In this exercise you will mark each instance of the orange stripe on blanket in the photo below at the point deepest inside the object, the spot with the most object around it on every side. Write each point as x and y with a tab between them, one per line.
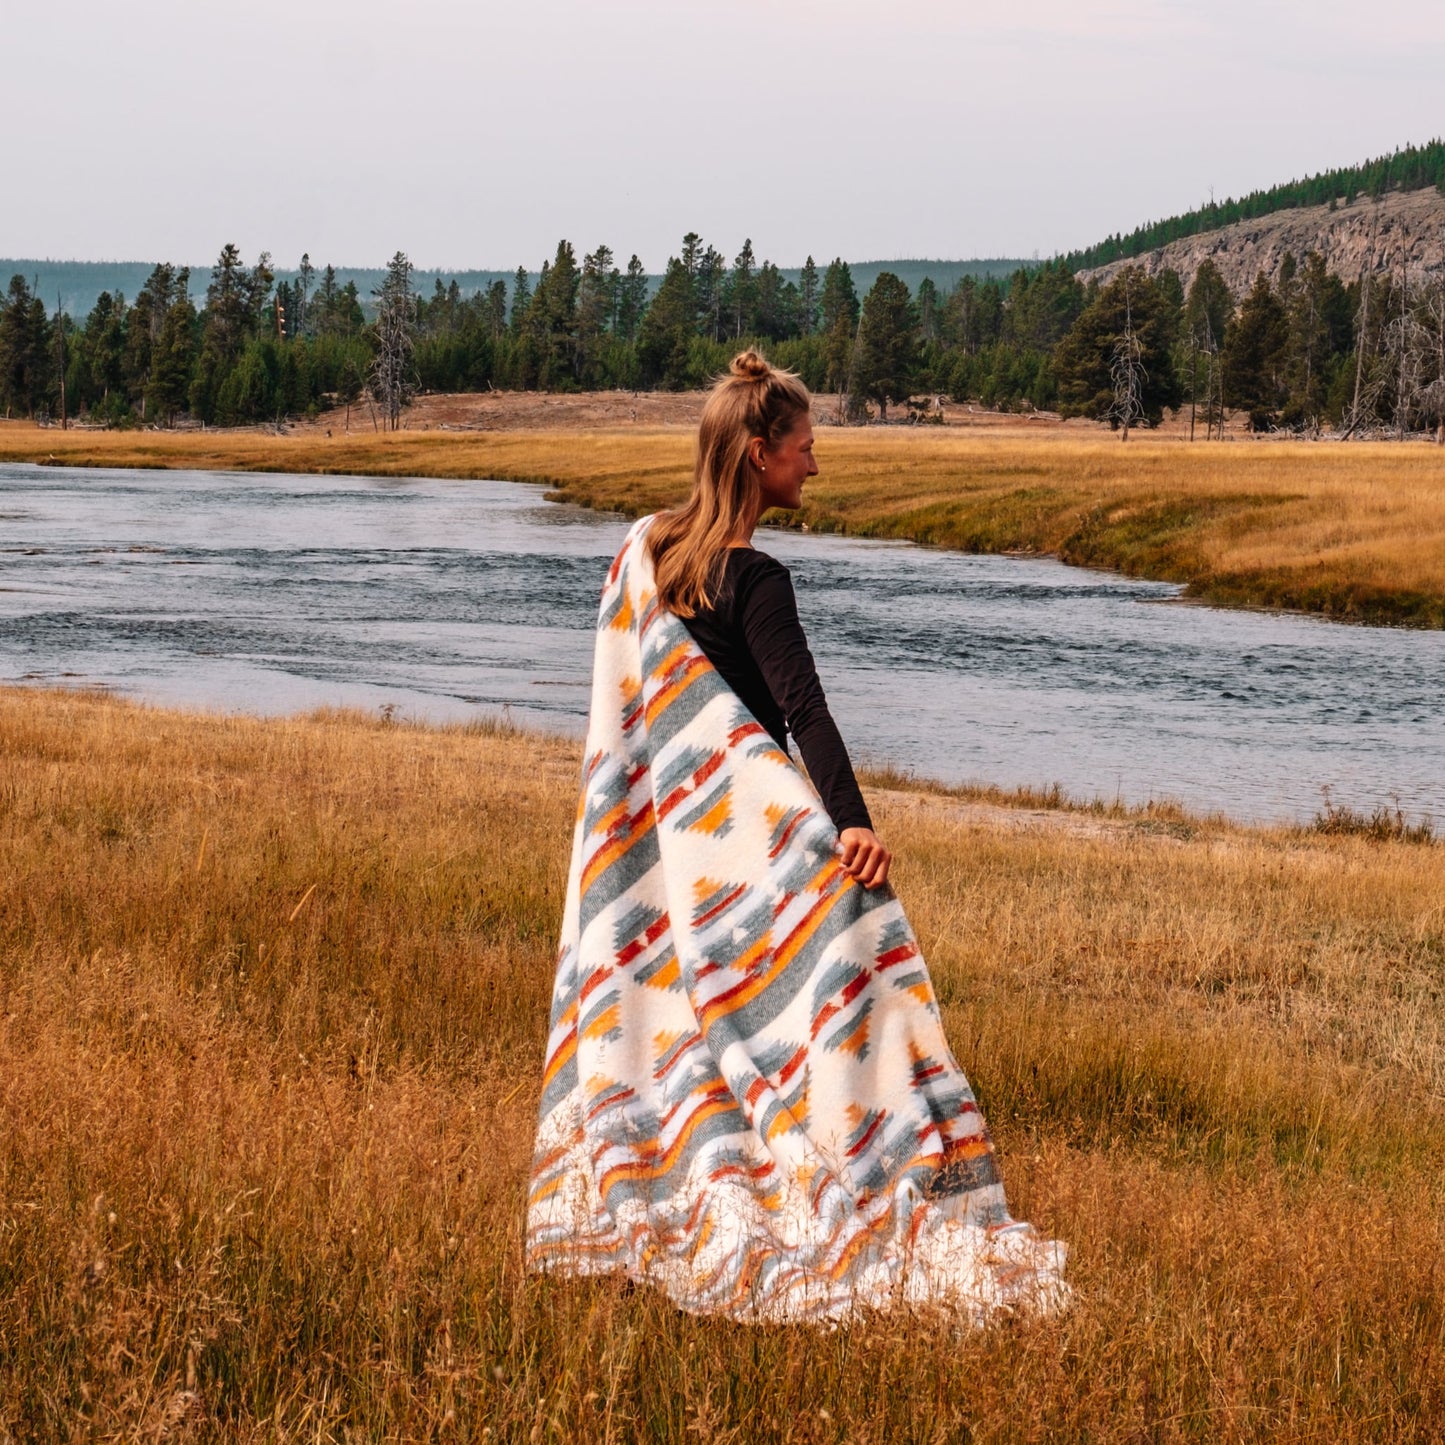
610	852
565	1050
642	1169
747	990
661	700
608	1019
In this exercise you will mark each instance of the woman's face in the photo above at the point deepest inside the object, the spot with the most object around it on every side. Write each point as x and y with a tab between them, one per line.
782	469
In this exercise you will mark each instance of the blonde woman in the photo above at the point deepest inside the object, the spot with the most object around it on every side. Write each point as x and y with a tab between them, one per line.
737	602
748	1101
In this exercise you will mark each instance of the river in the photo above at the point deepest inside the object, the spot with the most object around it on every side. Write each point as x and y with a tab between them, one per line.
445	599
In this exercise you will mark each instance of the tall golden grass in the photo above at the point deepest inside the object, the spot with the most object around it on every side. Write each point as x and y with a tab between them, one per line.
1346	531
272	1005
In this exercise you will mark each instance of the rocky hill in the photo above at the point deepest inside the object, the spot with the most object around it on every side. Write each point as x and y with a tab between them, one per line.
1402	227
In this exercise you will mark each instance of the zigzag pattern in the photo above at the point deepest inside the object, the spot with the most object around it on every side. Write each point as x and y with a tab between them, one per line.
748	1100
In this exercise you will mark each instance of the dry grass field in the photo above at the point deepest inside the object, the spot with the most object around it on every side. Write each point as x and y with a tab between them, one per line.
1348	531
272	1004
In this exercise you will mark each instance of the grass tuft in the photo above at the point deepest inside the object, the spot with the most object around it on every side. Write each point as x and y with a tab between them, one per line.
1383	823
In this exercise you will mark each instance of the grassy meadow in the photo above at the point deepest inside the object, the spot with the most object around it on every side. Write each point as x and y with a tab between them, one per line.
272	1005
1347	531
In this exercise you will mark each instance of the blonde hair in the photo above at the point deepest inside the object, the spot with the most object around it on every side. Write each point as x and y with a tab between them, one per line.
687	544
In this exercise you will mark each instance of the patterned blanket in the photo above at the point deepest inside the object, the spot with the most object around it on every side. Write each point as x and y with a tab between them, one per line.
748	1100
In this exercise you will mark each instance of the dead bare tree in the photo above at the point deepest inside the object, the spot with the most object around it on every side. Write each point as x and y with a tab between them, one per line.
1399	341
1127	374
1371	371
1432	320
1410	352
391	372
852	406
1409	344
1208	343
60	358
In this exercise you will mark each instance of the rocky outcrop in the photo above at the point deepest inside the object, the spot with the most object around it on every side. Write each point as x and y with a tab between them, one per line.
1378	235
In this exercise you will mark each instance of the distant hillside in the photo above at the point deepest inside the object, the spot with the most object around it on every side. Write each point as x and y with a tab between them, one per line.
78	283
1412	169
1404	228
944	274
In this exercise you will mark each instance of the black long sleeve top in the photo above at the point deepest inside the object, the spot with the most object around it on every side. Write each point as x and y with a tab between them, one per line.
752	635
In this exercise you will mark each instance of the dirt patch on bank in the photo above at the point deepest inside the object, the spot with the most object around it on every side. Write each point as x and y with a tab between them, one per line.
483	411
542	411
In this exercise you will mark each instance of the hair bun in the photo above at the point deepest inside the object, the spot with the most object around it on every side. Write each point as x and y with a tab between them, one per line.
749	366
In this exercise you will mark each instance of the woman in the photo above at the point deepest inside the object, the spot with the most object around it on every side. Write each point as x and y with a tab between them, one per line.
748	1100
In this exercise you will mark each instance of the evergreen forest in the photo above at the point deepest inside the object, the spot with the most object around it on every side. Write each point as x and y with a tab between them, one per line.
1300	352
1415	168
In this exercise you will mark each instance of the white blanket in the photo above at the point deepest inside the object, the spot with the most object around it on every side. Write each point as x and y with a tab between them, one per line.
748	1098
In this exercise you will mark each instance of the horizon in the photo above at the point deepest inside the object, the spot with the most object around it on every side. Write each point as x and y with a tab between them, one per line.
280	267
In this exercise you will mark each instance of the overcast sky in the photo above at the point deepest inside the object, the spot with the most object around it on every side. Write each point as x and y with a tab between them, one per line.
475	134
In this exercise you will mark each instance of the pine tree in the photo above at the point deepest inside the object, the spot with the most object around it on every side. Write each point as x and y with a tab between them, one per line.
928	318
808	298
496	309
1171	288
1042	306
692	254
521	300
1255	356
596	307
1085	360
172	360
665	334
326	308
349	386
1318	319
1210	307
553	320
961	317
887	361
532	336
742	292
227	299
631	301
136	365
350	317
25	341
771	312
235	300
838	321
102	349
709	288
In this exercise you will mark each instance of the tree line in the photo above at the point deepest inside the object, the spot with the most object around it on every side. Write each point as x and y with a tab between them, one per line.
1298	354
1415	168
1304	351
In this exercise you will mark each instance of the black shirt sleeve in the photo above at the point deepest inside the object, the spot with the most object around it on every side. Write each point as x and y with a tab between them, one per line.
768	612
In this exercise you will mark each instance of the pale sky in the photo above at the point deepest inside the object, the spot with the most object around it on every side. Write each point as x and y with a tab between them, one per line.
474	134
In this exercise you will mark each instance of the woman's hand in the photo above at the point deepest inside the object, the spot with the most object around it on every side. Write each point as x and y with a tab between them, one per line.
864	857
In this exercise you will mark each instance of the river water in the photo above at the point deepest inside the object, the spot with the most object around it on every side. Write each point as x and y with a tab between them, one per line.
445	599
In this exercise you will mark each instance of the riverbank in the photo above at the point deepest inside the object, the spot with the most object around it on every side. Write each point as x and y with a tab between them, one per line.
272	1006
1351	532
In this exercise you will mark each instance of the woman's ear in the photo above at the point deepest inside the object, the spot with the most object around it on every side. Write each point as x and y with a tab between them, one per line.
756	450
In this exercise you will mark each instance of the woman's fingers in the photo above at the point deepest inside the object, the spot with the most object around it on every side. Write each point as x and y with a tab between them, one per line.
874	869
864	857
879	874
